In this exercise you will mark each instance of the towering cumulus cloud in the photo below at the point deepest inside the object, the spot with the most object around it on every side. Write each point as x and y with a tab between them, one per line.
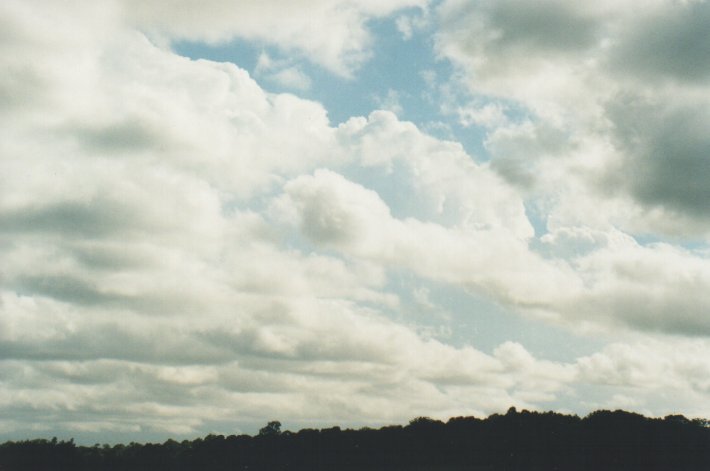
183	251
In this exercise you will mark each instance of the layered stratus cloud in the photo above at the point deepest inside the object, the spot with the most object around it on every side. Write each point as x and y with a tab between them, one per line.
184	252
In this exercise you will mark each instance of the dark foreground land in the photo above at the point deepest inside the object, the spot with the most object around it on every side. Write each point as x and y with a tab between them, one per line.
525	441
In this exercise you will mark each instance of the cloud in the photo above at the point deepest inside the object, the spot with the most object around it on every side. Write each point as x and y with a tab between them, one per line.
390	102
146	290
181	385
648	371
408	24
183	250
601	279
666	44
331	34
281	72
666	152
336	213
656	288
534	52
614	102
331	210
441	182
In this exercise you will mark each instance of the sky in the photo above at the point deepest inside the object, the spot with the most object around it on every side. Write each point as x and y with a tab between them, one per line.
216	213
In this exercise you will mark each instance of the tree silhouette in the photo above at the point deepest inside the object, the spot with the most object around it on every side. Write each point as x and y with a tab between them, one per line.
515	441
272	428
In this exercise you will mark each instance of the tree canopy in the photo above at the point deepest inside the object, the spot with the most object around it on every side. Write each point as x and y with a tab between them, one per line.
530	441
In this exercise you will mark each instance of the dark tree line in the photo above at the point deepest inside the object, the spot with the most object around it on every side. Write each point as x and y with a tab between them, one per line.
526	441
